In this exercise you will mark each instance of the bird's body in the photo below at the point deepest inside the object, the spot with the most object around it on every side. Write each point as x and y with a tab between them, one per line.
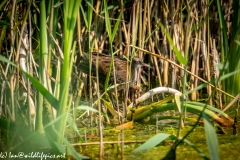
120	68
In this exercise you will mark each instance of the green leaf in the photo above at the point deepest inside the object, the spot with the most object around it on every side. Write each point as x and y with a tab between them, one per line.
70	149
3	23
58	4
116	27
208	107
46	94
84	16
178	54
201	86
178	103
72	123
223	28
196	149
27	135
4	59
89	14
152	142
211	137
51	99
107	21
225	76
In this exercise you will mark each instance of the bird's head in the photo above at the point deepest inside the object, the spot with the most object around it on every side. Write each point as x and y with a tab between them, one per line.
137	63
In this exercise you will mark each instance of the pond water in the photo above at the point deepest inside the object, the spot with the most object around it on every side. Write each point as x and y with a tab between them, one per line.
229	145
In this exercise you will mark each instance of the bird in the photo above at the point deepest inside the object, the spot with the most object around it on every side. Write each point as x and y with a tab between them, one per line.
120	68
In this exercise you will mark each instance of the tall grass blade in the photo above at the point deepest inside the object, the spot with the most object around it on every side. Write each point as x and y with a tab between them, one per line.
211	137
152	142
109	31
27	135
43	56
51	99
4	59
115	29
223	27
107	21
70	9
84	16
178	54
196	149
45	93
71	151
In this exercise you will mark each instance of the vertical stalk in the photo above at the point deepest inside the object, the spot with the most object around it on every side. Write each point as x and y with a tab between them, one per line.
186	50
70	9
90	56
42	56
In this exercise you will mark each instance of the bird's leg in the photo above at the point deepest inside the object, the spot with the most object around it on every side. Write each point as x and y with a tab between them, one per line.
138	81
113	101
113	97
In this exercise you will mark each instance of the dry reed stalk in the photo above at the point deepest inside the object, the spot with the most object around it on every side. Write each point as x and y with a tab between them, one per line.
194	63
151	44
205	48
180	67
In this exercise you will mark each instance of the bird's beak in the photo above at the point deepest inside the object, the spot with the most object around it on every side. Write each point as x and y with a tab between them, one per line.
146	65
